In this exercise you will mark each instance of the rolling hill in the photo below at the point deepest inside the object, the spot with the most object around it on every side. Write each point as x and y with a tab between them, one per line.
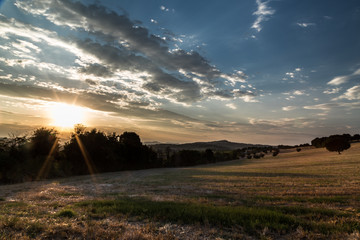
222	145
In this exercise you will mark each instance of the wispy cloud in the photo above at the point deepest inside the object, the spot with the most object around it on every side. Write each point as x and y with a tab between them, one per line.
289	108
329	106
231	106
343	79
263	12
332	91
283	123
351	94
305	25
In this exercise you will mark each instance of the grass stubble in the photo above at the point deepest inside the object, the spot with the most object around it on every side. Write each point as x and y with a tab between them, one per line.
312	194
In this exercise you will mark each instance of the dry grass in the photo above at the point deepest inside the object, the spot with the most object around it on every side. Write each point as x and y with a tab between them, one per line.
313	185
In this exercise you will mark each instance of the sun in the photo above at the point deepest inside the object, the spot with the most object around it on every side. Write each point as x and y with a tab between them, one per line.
65	116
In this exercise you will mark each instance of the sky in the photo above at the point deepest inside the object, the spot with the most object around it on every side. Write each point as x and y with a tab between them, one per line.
252	71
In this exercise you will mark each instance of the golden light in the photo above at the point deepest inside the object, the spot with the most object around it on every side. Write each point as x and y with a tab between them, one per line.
65	116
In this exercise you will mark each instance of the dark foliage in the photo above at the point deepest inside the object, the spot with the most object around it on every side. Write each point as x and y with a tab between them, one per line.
276	152
337	143
94	151
33	158
319	142
356	137
40	155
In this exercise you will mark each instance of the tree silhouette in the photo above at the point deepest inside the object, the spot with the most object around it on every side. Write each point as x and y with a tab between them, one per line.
130	139
43	142
337	143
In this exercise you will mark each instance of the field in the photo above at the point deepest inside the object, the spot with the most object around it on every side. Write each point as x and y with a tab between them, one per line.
312	194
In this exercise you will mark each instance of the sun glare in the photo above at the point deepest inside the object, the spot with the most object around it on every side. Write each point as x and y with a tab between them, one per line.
65	116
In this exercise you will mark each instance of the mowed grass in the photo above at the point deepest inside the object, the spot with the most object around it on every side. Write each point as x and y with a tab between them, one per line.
311	194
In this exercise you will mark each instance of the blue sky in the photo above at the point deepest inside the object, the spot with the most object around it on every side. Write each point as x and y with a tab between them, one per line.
272	72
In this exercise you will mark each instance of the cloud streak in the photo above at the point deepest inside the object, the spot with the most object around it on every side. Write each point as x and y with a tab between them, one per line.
262	14
343	79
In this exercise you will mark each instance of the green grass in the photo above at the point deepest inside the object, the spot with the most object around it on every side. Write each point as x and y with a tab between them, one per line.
68	213
33	229
15	205
251	219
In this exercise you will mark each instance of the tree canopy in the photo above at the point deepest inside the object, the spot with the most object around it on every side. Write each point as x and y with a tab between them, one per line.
337	143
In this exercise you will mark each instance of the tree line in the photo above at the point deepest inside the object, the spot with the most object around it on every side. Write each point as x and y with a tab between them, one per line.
41	156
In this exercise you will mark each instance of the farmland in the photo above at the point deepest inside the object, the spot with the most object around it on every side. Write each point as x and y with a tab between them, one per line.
313	194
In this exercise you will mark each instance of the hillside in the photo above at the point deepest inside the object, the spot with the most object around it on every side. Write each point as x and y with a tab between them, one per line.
222	145
312	194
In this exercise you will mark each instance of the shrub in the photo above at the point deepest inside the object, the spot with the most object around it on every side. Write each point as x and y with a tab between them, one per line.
275	153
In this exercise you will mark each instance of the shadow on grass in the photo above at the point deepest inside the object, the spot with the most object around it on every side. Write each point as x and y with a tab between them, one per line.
255	174
250	219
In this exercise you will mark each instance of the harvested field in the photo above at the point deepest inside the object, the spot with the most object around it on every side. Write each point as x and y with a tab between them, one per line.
312	194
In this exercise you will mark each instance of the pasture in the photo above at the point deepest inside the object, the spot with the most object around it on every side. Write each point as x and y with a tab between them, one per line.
312	194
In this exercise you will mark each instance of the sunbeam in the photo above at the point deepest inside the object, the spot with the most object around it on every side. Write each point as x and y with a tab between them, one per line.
45	167
86	156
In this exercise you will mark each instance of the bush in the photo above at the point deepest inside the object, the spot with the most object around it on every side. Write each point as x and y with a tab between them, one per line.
275	153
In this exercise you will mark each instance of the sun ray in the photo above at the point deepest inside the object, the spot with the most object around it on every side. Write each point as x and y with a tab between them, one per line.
46	164
87	158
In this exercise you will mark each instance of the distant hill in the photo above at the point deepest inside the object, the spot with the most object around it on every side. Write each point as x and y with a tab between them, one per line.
222	145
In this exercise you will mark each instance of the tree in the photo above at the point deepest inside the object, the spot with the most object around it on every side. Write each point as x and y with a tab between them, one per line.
209	156
44	142
356	137
319	142
337	143
130	139
44	149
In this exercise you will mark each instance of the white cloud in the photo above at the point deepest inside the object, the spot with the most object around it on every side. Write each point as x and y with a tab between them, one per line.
343	79
289	108
322	106
163	8
249	99
338	80
231	105
357	72
296	73
329	106
237	77
283	123
262	12
351	94
290	74
298	93
305	25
